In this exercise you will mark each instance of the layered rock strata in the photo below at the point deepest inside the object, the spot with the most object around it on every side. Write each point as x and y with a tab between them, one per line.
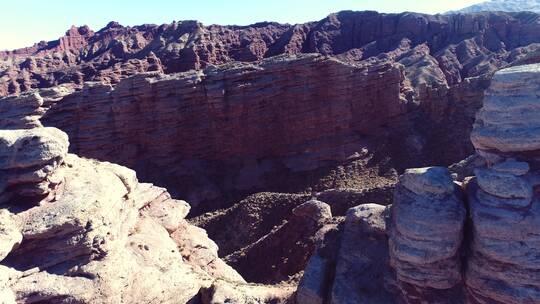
504	203
32	171
499	248
187	131
467	237
98	235
464	45
426	232
445	63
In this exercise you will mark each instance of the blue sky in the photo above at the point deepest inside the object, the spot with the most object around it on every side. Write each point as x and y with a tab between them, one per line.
24	22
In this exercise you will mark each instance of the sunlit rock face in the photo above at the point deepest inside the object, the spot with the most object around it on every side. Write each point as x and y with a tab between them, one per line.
504	202
508	123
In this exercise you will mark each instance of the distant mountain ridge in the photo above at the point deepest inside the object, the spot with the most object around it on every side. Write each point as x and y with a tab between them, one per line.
501	5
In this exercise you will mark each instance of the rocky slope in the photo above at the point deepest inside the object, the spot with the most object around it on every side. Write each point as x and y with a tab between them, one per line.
501	6
459	46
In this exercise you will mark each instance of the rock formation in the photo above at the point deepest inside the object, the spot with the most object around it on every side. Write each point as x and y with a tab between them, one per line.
445	63
471	240
425	236
217	114
503	198
32	172
502	6
350	264
501	263
361	263
78	230
404	87
115	51
205	152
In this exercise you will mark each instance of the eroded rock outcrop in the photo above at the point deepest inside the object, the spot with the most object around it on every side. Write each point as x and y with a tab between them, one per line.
362	261
416	82
351	262
467	237
499	249
290	245
445	63
187	131
97	235
29	160
504	203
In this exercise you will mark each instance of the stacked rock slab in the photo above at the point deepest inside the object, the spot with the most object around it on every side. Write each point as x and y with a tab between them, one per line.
425	235
504	265
28	162
104	238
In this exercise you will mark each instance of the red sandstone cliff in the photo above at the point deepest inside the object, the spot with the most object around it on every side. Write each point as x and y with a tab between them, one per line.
404	85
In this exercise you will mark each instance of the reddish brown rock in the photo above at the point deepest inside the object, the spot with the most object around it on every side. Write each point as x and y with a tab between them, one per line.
431	69
84	55
188	131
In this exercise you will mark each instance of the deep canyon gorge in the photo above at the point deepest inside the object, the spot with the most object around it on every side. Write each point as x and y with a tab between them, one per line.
274	163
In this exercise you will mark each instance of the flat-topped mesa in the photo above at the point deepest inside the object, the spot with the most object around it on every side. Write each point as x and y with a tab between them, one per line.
504	203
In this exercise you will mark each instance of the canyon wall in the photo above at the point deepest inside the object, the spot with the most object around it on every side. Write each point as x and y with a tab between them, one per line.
206	134
400	86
